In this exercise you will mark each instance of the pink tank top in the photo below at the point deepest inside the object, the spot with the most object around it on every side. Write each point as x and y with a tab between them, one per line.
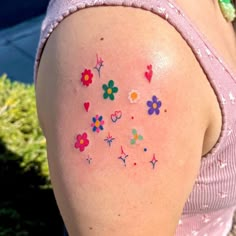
211	204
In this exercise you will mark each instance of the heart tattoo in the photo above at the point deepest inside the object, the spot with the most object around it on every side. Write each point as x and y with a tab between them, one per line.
86	106
148	74
116	116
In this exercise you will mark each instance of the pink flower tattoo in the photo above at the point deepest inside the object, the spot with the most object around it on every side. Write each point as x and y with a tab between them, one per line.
86	77
81	141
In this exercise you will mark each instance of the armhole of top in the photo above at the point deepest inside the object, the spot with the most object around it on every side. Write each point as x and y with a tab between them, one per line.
205	55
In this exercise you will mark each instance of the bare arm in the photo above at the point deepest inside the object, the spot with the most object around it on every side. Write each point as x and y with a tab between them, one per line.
121	165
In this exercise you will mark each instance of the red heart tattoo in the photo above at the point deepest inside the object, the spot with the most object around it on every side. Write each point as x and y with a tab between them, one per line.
148	74
86	106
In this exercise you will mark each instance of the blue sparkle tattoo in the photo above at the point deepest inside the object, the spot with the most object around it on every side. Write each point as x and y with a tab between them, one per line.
109	139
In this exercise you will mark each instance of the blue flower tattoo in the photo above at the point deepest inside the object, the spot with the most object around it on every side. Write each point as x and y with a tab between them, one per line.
154	106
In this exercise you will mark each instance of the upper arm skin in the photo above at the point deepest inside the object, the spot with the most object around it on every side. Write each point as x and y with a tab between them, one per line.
106	197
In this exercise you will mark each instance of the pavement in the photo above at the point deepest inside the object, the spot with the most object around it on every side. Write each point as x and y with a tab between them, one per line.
18	46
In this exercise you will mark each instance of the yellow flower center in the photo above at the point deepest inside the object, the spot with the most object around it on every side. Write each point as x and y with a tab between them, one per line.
109	91
97	123
86	77
154	105
134	96
81	141
136	136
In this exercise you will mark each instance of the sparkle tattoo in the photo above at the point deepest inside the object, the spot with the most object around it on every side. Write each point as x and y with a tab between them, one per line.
89	159
153	161
109	139
123	156
99	65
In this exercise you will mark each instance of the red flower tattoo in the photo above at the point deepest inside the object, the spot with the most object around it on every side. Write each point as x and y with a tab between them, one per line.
81	141
86	78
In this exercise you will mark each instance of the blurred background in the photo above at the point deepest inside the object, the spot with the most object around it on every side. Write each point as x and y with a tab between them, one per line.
19	33
27	204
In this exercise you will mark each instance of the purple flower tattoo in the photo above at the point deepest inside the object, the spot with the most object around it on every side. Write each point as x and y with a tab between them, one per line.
154	106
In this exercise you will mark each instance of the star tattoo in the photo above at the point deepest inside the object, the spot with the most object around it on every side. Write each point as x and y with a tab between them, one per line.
109	139
153	161
99	65
89	159
123	156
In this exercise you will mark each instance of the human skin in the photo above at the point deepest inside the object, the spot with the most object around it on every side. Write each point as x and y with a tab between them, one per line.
105	196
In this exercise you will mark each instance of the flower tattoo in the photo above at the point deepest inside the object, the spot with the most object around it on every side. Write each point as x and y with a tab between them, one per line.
87	77
109	90
154	106
135	137
97	124
133	96
81	141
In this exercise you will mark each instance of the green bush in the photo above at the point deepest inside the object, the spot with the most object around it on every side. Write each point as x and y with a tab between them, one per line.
27	203
19	128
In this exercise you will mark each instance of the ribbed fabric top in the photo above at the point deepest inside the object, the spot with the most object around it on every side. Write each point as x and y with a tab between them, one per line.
209	209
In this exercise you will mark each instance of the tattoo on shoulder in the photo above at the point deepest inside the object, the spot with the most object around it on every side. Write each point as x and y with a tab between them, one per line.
116	113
